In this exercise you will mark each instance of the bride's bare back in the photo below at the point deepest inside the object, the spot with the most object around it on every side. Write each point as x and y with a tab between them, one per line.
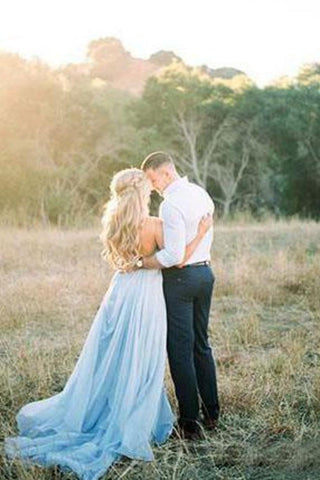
151	235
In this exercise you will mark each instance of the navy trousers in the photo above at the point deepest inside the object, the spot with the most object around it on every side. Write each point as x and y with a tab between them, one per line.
188	293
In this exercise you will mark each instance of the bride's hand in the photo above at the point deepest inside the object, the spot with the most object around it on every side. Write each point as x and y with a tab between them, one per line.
205	223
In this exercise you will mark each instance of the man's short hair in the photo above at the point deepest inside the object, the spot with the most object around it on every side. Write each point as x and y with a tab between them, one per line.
155	160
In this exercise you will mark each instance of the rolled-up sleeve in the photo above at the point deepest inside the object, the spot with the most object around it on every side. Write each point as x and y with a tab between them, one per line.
174	230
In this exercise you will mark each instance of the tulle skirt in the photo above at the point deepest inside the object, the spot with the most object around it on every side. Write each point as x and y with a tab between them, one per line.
114	402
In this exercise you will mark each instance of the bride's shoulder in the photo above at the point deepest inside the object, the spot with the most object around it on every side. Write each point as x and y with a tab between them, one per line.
152	221
150	234
152	226
156	220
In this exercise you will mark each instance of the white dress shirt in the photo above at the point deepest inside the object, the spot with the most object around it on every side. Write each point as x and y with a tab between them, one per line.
181	210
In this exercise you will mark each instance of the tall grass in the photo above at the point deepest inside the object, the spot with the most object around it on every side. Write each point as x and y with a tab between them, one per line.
264	329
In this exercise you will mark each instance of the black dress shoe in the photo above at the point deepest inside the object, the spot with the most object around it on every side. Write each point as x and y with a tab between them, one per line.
180	433
210	423
193	436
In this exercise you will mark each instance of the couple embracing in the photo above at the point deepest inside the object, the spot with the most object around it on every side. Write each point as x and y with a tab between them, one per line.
115	402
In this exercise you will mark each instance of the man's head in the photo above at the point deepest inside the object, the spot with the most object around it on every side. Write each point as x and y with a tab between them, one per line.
160	170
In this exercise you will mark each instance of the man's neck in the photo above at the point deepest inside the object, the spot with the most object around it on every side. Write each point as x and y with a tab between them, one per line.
172	180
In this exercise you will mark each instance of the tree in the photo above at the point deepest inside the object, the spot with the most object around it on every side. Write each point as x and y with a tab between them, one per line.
290	119
194	116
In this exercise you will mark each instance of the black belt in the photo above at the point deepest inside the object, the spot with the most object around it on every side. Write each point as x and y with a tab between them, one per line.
196	264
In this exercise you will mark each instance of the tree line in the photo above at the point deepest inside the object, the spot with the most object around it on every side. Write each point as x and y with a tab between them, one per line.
64	134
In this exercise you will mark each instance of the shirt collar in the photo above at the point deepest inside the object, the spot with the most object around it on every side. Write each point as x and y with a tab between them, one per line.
175	185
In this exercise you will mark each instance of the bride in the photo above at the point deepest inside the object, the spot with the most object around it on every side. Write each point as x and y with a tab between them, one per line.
114	402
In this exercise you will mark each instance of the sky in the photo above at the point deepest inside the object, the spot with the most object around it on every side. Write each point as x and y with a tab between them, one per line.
264	38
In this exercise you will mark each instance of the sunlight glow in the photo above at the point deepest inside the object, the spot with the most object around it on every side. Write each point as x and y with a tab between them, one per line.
265	39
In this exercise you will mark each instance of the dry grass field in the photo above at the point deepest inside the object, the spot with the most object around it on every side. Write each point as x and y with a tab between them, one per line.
264	330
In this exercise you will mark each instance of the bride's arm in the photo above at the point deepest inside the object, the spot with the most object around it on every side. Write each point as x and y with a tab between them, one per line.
205	223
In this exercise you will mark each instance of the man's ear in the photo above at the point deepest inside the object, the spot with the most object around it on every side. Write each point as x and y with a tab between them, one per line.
168	173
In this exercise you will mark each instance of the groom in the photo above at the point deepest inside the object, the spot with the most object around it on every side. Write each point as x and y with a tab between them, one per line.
187	291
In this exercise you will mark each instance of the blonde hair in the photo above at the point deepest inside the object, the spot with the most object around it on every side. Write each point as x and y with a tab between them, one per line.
123	216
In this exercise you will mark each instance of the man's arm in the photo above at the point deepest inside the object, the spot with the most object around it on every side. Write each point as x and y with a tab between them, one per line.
174	230
151	262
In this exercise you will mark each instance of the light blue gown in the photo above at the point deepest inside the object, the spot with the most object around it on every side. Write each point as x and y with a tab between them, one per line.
114	403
